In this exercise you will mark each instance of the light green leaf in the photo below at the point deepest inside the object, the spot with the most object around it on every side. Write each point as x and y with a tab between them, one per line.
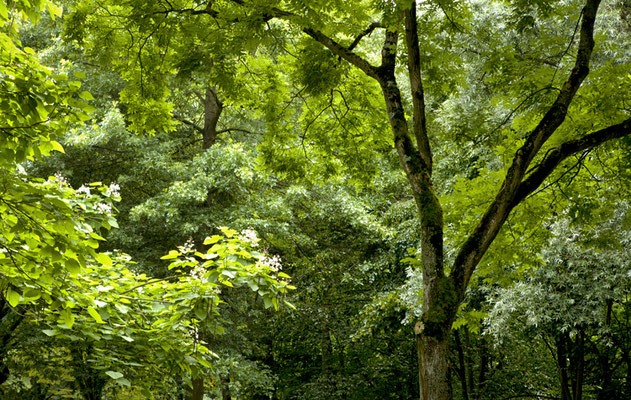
13	297
114	374
95	314
103	259
85	95
172	254
57	146
67	318
213	239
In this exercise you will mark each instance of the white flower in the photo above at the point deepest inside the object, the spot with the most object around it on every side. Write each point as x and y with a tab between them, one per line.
61	179
274	262
187	247
114	189
84	189
250	236
104	208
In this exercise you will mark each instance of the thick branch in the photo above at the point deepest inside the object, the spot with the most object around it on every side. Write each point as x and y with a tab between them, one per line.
556	155
188	122
416	86
343	52
483	235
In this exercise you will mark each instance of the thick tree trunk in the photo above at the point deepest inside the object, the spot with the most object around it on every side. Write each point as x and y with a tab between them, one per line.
433	363
198	389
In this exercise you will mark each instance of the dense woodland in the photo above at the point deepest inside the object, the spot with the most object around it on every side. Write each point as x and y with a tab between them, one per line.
324	199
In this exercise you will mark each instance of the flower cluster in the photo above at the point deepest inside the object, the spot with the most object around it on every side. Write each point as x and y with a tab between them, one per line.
84	190
273	262
250	236
187	247
114	190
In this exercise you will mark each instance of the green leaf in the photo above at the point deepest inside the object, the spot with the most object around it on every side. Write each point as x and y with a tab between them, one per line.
104	259
172	254
213	239
57	146
95	314
13	297
268	301
114	374
203	362
67	318
49	332
123	382
85	95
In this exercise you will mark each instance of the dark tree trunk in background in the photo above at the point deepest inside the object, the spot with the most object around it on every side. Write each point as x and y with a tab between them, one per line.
462	366
90	381
9	322
212	111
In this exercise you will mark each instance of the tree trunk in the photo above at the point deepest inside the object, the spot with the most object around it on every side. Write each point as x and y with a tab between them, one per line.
198	388
212	110
578	358
433	365
441	294
484	362
561	345
9	322
462	366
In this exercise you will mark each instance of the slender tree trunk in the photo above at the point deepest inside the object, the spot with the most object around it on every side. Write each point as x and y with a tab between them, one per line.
325	347
225	388
484	362
212	110
578	358
561	345
9	322
468	361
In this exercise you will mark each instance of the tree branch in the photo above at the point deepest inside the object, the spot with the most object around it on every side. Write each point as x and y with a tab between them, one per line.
416	86
489	226
556	155
343	52
365	32
188	122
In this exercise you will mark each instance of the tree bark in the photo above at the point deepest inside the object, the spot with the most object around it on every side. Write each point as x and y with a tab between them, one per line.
213	107
197	393
433	365
9	322
561	345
